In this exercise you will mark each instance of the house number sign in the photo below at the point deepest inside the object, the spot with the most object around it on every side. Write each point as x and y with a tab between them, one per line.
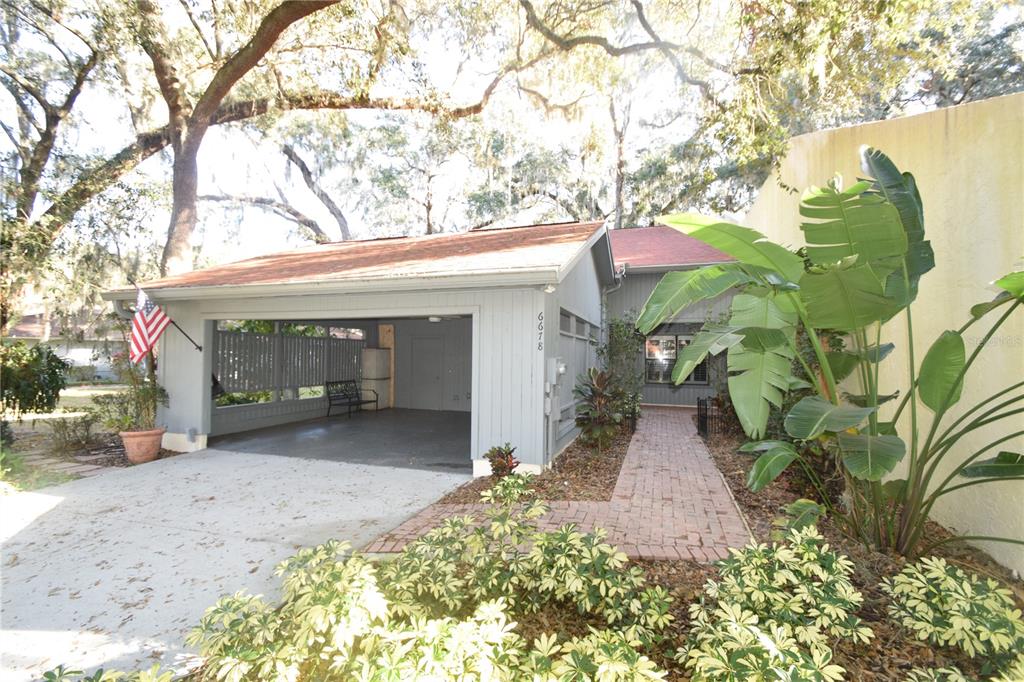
540	330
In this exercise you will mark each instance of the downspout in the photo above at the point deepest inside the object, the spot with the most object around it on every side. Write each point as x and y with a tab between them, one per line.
620	278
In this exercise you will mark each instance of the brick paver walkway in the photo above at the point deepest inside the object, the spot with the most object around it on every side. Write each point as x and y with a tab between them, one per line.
670	501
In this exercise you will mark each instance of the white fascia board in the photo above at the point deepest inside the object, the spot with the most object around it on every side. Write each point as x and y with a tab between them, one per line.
564	271
484	280
671	268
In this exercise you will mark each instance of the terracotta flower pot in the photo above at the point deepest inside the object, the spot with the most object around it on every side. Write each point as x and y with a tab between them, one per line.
142	446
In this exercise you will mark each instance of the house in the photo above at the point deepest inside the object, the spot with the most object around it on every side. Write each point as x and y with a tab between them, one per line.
642	257
84	344
495	325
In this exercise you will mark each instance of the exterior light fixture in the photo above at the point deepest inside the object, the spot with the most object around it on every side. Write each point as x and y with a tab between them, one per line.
433	318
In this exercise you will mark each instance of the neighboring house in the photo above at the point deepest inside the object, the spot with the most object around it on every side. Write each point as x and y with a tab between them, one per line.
642	257
80	343
498	323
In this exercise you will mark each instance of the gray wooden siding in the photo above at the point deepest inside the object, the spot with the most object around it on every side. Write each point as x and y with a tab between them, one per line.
580	291
629	299
508	366
578	297
456	364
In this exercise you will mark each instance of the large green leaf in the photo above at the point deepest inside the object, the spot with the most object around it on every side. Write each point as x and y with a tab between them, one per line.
1012	283
770	464
939	381
757	381
813	416
760	377
761	339
900	190
742	243
844	297
982	309
842	363
1003	465
712	339
840	224
679	290
871	457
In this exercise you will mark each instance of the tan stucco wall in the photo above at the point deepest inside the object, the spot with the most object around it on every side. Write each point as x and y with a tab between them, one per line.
969	165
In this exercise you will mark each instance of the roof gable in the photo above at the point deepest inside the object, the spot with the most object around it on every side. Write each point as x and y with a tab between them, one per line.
660	247
535	248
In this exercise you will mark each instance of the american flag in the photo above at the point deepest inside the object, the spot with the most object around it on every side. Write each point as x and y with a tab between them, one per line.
148	324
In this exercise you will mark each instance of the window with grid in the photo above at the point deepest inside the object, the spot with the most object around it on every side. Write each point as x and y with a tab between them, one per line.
660	353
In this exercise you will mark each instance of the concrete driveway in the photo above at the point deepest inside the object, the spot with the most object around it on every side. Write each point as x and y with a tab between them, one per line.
113	571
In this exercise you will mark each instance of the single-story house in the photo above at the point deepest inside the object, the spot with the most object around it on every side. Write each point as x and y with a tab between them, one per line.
84	344
497	323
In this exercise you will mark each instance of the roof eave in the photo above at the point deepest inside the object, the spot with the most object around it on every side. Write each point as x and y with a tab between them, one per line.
671	268
503	279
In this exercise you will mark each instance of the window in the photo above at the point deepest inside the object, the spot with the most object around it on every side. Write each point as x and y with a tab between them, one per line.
660	359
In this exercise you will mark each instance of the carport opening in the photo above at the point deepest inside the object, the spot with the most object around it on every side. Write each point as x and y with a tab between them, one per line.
269	397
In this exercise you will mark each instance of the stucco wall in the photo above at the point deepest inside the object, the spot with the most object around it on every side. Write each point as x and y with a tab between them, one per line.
969	166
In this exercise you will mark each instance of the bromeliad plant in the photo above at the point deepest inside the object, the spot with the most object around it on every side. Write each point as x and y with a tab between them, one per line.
865	255
597	413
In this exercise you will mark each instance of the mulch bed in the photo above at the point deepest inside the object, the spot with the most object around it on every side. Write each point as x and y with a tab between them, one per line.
577	474
891	653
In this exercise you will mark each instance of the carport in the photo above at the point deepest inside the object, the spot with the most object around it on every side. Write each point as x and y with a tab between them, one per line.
473	324
269	395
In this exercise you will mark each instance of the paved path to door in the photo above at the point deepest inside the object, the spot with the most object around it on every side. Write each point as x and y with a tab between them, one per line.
670	501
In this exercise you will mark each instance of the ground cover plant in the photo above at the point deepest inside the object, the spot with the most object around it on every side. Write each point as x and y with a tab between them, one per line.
864	258
895	650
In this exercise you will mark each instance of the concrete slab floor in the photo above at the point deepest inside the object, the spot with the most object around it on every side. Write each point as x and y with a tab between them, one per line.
420	439
113	571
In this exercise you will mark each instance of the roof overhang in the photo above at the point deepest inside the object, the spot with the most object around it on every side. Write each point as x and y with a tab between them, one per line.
670	268
471	280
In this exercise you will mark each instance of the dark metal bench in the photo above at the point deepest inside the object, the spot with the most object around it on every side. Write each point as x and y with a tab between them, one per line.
348	394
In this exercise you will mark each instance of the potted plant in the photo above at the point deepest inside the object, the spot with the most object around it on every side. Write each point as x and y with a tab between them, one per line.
132	413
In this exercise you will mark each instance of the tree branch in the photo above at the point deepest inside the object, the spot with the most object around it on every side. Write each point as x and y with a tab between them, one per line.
318	191
242	61
157	46
27	86
199	31
667	49
285	210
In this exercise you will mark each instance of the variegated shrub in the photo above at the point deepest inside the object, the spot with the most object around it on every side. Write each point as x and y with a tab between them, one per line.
776	607
946	606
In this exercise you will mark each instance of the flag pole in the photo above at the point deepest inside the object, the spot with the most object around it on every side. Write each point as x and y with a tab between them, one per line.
183	332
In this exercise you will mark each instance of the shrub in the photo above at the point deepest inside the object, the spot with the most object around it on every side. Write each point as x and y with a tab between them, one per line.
597	412
73	433
440	609
945	606
785	603
31	378
502	460
730	644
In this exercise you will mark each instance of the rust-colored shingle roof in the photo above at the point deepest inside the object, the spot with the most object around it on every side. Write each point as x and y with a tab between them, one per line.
534	247
660	246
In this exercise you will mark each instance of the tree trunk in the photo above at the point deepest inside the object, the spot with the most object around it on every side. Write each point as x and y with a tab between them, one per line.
177	256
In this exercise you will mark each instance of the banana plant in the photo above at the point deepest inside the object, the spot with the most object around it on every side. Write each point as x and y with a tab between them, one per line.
861	266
